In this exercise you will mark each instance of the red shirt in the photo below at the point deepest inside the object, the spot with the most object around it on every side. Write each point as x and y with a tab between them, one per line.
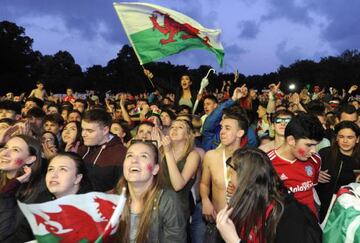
298	176
69	98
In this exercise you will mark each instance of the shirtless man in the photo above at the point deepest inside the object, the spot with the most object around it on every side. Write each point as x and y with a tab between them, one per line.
280	120
39	92
233	127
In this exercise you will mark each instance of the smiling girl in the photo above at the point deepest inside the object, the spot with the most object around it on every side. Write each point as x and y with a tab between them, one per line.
338	163
151	213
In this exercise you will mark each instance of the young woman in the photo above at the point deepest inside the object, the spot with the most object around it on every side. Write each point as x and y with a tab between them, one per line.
184	95
260	209
120	129
67	175
338	163
50	145
20	179
181	161
71	136
151	213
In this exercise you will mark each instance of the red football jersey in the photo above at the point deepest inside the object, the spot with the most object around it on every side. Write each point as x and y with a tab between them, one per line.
298	176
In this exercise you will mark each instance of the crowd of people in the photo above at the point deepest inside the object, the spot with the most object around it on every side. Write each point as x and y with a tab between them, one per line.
244	165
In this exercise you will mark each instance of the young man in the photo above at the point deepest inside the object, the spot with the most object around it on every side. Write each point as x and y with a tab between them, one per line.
280	120
31	102
214	176
347	113
296	161
10	109
80	105
102	152
39	92
74	115
53	123
69	97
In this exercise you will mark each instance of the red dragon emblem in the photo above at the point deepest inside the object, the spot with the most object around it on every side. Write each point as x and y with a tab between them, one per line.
70	223
172	27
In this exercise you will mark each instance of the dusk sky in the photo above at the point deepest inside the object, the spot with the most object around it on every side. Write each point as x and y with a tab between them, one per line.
258	35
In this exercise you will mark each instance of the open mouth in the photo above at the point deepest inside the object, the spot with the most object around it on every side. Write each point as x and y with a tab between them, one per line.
134	169
4	161
53	183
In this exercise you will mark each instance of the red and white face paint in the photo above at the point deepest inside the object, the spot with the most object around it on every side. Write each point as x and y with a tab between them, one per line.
139	164
304	148
14	155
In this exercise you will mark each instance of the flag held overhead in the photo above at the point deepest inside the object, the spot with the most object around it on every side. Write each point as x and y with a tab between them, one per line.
156	32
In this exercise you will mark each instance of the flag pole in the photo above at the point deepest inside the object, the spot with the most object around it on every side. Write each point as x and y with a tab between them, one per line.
114	217
152	84
131	42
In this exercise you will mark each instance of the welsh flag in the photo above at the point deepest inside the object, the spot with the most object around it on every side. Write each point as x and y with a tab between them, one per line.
343	223
156	32
90	217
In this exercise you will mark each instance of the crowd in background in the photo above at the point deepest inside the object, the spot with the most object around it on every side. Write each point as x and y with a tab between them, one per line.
220	165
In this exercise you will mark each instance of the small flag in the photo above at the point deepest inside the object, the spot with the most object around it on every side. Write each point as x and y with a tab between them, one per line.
90	217
343	223
156	32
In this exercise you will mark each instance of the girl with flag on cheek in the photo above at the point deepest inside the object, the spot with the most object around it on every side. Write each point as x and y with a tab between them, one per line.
151	213
20	179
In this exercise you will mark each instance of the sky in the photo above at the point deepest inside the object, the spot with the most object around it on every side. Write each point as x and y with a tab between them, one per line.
258	35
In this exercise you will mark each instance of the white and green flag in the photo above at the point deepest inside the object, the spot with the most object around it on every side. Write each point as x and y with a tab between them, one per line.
343	224
90	217
156	32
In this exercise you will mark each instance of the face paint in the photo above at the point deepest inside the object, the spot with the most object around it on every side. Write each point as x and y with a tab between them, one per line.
301	152
150	168
19	162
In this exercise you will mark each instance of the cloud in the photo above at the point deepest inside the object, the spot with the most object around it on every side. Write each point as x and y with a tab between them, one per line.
288	55
249	29
342	30
295	11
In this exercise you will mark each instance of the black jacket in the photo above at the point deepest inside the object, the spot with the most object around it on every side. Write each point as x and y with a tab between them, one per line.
168	222
297	224
342	173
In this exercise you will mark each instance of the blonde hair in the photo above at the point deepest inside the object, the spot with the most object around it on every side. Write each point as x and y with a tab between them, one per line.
189	145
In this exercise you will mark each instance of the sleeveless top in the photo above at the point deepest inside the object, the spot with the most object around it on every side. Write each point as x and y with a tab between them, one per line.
187	102
183	195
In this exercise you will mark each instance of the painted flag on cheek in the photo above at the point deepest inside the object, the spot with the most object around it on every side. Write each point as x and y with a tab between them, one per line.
91	217
156	32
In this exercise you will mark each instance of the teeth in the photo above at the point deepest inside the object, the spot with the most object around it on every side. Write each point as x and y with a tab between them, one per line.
134	169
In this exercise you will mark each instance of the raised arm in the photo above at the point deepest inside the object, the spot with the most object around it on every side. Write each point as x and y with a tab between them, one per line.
180	179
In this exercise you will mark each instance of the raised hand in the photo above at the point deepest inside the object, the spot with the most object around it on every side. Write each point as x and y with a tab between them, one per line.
26	176
166	143
226	226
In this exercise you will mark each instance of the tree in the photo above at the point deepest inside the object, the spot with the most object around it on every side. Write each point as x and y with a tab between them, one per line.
17	58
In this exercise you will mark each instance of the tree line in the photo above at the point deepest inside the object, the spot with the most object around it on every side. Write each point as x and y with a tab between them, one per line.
21	67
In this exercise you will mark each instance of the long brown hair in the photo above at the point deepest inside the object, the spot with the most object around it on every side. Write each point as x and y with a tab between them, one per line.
150	202
29	191
258	186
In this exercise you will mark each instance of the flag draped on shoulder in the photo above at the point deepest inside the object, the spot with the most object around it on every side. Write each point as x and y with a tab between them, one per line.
156	32
91	217
343	223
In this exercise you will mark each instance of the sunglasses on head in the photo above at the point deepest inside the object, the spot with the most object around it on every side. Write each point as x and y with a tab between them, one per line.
281	120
